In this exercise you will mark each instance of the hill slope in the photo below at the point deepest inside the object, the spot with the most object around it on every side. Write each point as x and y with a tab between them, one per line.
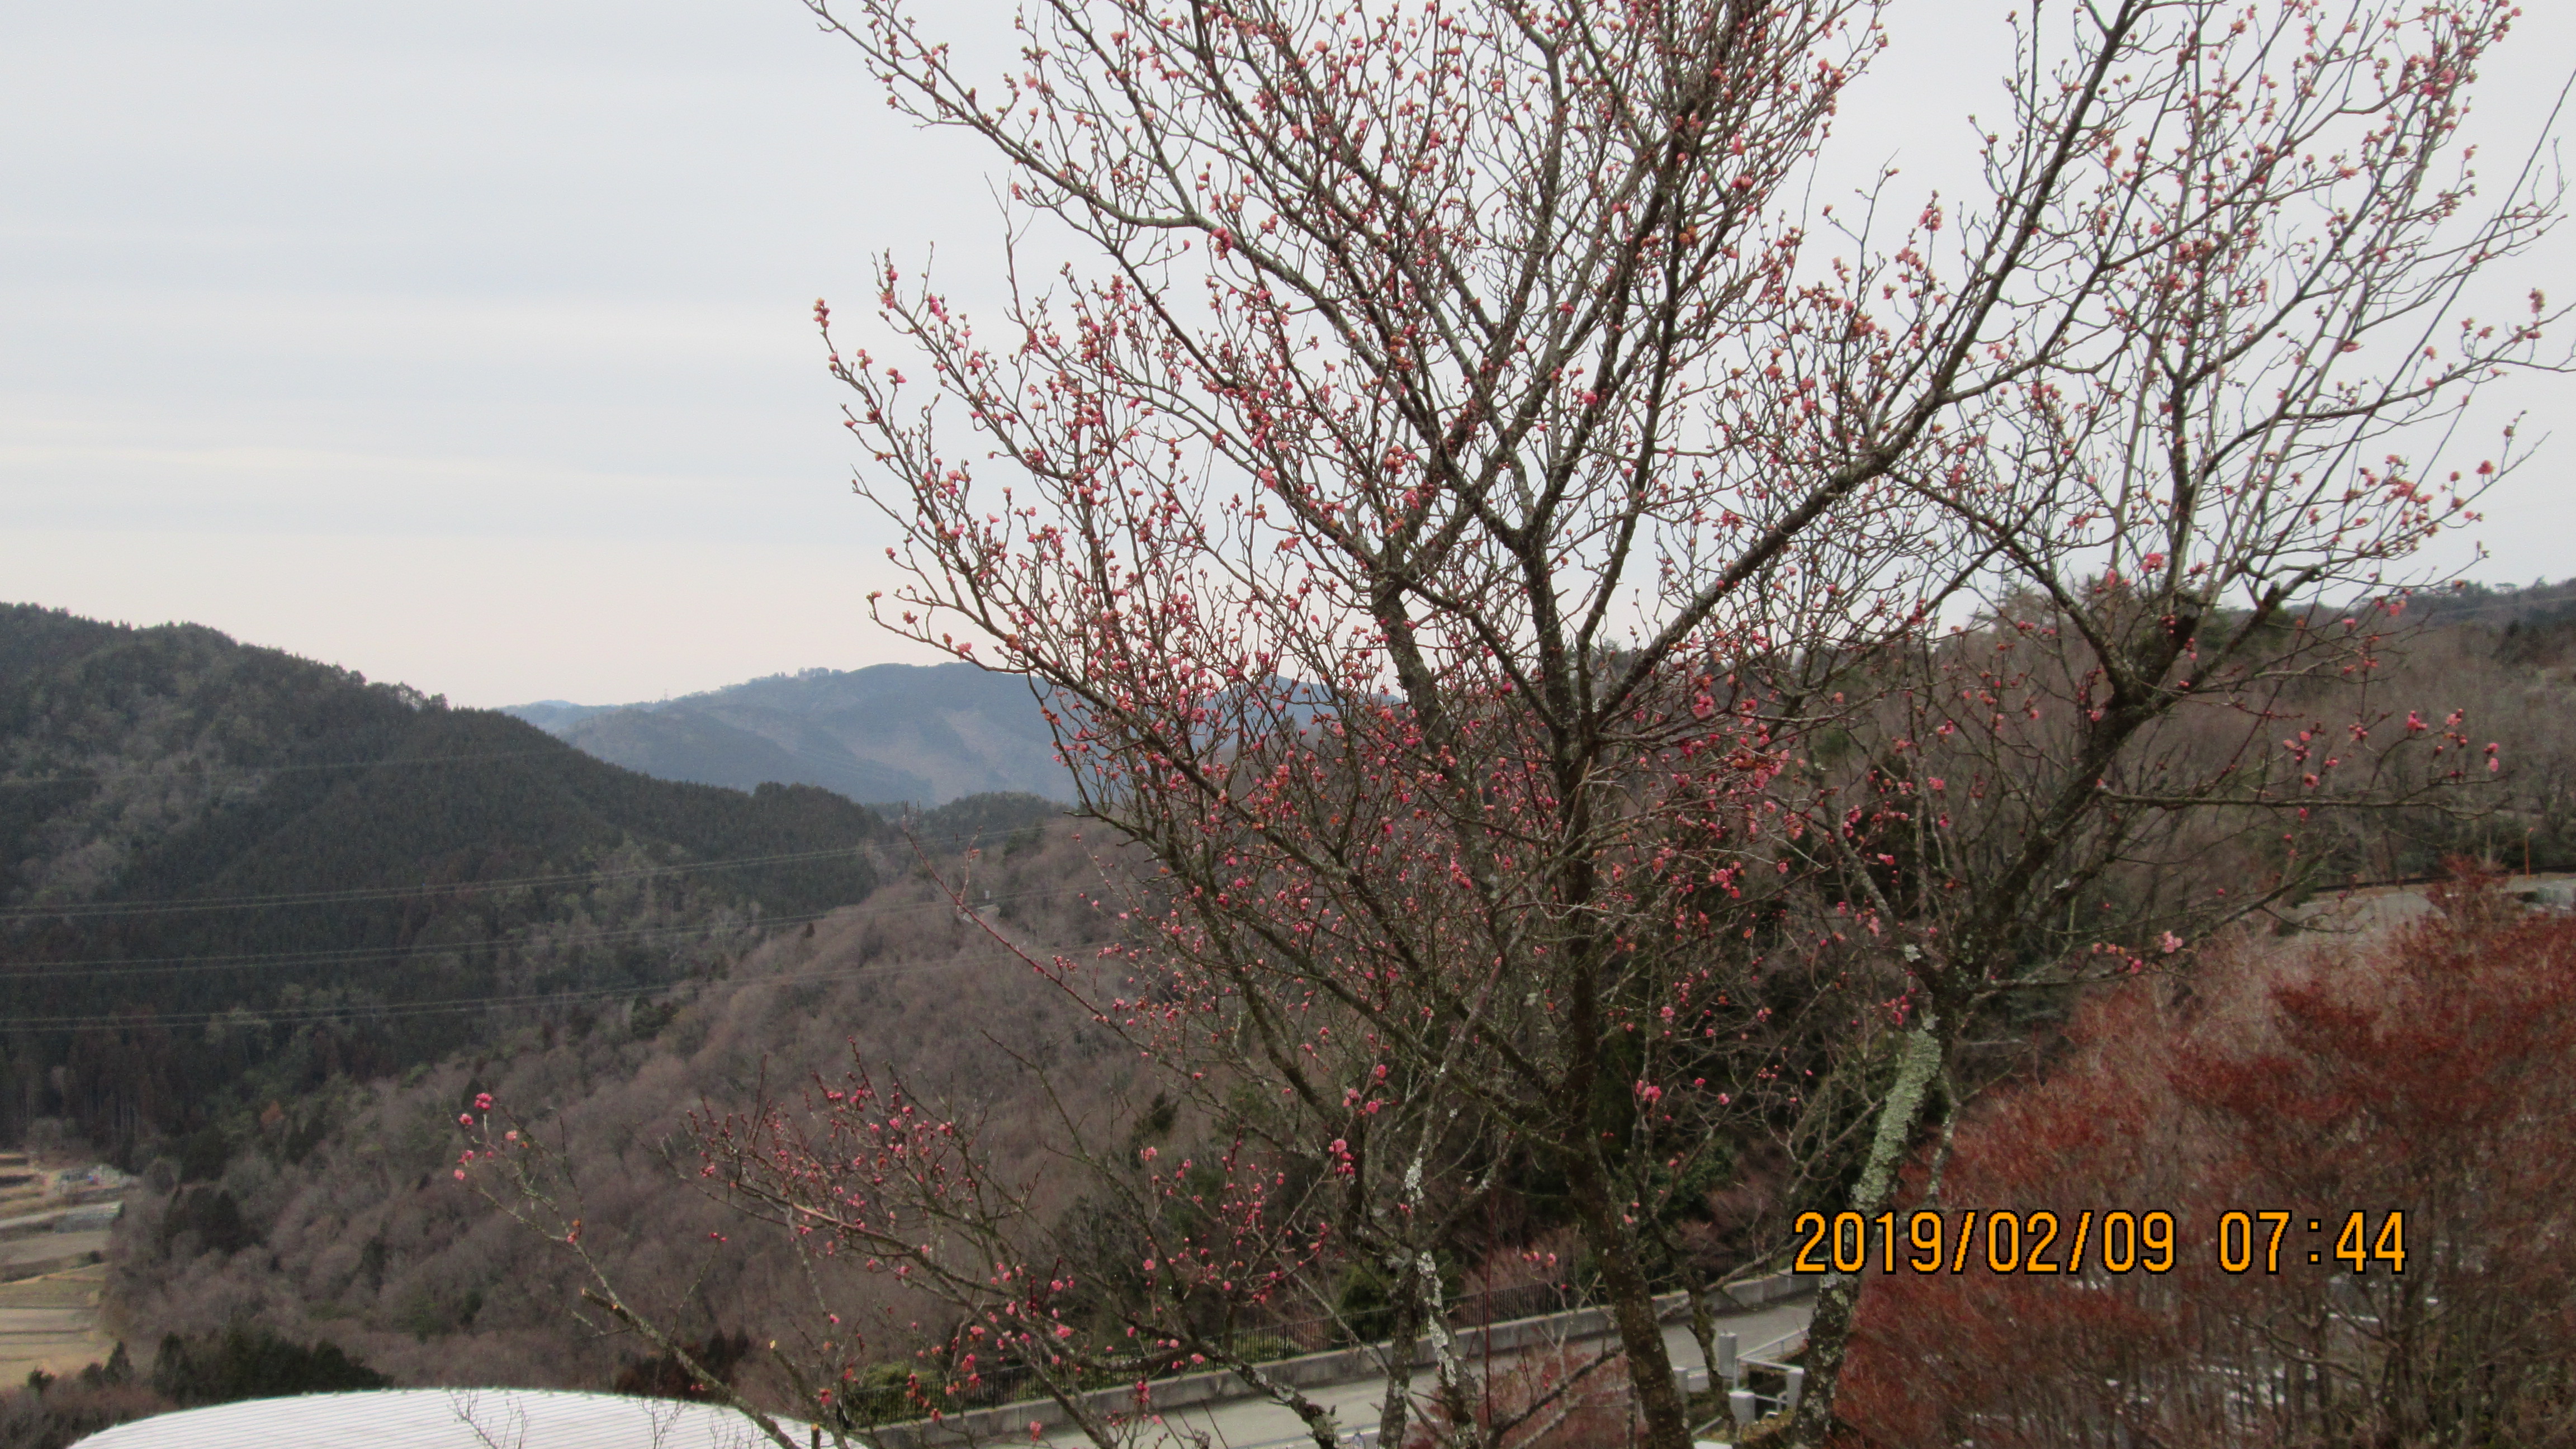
353	1228
225	870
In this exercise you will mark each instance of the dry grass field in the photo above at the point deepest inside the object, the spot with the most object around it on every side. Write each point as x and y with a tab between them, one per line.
50	1322
50	1280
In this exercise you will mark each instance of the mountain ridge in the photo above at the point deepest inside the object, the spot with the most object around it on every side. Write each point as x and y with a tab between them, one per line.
195	831
896	734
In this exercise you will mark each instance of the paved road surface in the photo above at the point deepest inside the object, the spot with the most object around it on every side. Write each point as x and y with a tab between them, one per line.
1259	1424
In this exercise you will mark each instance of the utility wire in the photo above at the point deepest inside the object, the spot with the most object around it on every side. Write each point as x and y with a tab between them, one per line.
201	771
449	1006
78	910
360	955
88	910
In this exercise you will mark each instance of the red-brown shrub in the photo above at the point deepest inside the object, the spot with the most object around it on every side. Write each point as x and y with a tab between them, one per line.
2430	1070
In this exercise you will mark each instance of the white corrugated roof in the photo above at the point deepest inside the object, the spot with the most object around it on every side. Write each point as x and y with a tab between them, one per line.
443	1419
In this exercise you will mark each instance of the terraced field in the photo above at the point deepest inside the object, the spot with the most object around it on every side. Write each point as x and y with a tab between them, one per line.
50	1322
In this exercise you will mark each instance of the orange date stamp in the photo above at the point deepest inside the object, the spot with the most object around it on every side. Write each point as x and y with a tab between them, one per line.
2111	1241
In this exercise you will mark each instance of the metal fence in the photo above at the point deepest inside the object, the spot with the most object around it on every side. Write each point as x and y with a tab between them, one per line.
1758	1384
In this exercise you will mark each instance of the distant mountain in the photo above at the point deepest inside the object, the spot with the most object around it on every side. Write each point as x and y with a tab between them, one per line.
890	733
552	715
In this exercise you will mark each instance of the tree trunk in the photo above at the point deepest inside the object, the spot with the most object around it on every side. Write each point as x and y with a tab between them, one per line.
1401	1347
1632	1306
1703	1324
1900	1117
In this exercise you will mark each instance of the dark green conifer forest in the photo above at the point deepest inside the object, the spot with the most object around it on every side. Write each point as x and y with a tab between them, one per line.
229	875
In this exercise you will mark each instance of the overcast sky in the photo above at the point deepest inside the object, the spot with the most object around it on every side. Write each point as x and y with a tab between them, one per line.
468	344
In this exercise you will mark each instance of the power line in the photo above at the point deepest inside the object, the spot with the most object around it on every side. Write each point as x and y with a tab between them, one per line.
78	910
360	955
202	771
178	905
450	1006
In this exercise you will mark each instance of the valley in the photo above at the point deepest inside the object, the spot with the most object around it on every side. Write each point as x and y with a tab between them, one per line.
273	929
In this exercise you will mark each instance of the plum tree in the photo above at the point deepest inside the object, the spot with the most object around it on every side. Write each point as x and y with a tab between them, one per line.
1559	619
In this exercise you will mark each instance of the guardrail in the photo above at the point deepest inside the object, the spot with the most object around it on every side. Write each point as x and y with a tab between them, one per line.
1005	1421
1746	1404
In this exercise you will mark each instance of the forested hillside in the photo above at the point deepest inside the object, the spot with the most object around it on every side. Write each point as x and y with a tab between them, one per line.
363	1237
226	873
269	928
2503	607
229	875
2510	673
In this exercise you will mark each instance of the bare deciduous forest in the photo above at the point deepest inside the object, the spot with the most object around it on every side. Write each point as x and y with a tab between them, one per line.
334	1217
371	1242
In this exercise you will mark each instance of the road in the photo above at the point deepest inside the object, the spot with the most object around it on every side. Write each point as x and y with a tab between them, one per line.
1259	1424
